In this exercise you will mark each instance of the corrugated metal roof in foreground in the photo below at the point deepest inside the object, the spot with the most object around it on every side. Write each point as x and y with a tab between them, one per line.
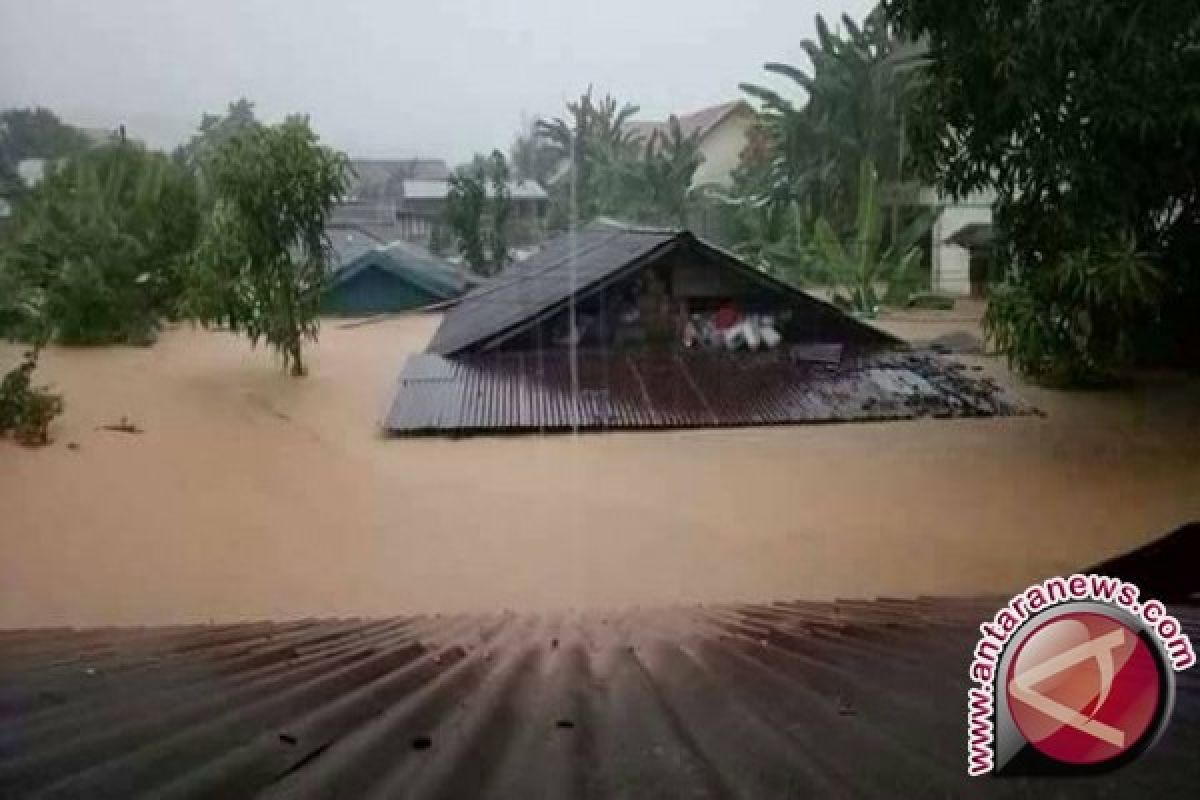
850	699
502	392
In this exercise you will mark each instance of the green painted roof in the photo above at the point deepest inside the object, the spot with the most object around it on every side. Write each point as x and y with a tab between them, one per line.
411	263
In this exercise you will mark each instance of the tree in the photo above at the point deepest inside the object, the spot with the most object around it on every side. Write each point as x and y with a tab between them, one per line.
862	265
215	131
99	245
594	143
668	167
465	202
857	94
262	262
500	208
478	207
33	133
1084	118
531	159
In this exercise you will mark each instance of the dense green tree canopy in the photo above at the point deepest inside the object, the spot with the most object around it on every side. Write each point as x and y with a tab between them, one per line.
99	245
855	96
1084	117
804	163
33	133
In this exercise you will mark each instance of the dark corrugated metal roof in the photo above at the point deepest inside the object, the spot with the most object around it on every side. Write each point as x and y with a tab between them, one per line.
536	391
571	262
579	263
802	699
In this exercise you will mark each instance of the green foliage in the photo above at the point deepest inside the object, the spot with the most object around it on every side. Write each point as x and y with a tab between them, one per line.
33	133
531	159
478	207
263	258
594	143
861	266
664	180
215	131
857	93
99	245
25	410
1073	322
500	210
440	238
610	170
772	238
1084	118
22	307
465	202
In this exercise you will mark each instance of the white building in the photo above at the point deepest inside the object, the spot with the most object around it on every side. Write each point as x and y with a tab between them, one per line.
955	269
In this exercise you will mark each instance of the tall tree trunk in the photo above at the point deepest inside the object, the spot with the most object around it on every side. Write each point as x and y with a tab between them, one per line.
298	368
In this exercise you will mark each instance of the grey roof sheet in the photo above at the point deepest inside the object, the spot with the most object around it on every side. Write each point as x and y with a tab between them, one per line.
793	699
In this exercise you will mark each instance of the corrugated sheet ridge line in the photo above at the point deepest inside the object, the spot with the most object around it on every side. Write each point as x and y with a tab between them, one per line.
795	699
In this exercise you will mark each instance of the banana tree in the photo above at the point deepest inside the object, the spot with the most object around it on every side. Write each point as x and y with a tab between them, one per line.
859	266
853	103
592	140
668	165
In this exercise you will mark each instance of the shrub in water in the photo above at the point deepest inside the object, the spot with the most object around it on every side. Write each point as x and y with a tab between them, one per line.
25	410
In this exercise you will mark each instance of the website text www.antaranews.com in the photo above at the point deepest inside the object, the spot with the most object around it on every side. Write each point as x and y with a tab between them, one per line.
1037	598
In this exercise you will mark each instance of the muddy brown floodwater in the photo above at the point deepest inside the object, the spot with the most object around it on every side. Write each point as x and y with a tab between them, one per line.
252	495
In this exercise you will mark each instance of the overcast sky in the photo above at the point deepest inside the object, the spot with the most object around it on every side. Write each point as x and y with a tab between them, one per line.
439	78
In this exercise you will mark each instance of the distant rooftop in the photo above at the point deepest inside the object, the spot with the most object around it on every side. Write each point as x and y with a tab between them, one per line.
437	190
380	179
349	241
697	122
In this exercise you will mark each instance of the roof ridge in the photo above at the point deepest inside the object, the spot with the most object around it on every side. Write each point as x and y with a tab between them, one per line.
497	284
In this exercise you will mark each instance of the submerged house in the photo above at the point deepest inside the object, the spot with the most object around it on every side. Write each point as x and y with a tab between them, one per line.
373	278
613	327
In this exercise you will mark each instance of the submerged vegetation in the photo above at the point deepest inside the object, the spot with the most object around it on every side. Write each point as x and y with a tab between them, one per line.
116	239
26	411
101	241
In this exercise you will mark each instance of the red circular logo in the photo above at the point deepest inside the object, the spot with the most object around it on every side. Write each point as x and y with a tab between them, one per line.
1084	688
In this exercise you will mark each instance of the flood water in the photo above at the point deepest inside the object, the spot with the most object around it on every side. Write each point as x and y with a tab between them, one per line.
253	495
